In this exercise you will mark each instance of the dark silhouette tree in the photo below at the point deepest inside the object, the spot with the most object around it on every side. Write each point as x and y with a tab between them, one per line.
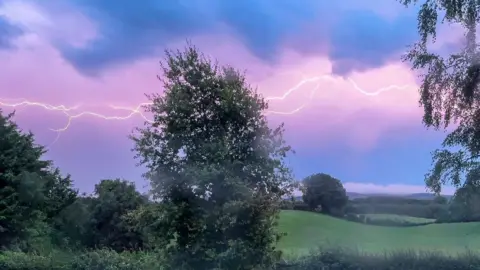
113	200
21	194
449	91
440	200
32	191
325	191
465	204
215	164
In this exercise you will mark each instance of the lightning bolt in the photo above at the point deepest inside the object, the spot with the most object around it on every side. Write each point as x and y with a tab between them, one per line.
136	111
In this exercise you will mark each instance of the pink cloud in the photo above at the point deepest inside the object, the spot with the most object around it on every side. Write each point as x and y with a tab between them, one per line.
37	72
337	109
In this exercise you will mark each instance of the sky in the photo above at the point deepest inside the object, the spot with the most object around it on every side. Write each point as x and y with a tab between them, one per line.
75	72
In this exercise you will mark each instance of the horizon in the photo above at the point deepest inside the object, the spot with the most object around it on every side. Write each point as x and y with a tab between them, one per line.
331	72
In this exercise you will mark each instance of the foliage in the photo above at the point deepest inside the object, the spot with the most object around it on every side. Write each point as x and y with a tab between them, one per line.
325	191
215	164
147	220
94	260
22	183
465	205
350	259
449	91
114	199
72	224
331	258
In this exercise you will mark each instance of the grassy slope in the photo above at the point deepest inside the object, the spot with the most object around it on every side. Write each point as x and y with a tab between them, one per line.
399	217
308	230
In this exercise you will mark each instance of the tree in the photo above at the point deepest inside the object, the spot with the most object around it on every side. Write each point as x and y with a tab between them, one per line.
440	200
449	92
73	224
59	193
215	164
115	199
325	191
465	204
21	182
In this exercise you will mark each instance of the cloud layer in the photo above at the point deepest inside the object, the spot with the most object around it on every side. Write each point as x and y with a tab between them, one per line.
7	33
354	37
331	71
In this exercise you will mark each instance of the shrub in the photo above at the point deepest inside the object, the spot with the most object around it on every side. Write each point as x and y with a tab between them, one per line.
23	261
345	259
110	260
94	260
301	206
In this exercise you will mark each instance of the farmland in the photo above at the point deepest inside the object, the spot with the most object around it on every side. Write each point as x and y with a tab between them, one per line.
399	218
306	230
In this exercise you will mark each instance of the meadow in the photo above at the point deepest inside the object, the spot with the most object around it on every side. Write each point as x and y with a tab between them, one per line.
313	241
400	218
308	230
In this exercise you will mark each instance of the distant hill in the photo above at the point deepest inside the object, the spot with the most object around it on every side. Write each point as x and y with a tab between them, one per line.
417	196
425	196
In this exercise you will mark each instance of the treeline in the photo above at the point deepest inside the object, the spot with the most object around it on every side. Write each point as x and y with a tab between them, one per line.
431	209
326	194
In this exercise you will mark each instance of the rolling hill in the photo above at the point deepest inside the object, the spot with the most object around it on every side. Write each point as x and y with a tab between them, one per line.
307	230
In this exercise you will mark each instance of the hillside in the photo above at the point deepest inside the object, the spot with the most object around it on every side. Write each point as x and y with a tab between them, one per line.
306	230
417	196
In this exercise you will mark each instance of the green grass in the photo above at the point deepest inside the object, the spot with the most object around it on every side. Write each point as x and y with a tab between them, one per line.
306	230
399	218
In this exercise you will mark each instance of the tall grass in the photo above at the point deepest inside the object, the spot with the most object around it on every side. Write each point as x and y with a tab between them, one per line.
346	259
327	259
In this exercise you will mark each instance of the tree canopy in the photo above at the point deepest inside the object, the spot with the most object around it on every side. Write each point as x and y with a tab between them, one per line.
32	191
325	191
213	160
449	91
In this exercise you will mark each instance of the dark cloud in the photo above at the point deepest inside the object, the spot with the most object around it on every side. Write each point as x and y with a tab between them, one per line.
364	39
135	29
7	33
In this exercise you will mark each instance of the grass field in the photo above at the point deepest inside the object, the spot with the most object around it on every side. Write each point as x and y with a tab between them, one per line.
399	218
308	230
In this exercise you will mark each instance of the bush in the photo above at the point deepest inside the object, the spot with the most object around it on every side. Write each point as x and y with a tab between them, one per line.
334	258
301	206
344	259
95	260
23	261
354	217
287	205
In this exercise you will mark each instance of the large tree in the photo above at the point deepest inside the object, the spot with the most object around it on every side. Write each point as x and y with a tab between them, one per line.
449	92
325	191
214	163
32	191
22	182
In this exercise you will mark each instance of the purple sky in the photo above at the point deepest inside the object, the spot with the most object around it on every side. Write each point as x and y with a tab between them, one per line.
332	73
